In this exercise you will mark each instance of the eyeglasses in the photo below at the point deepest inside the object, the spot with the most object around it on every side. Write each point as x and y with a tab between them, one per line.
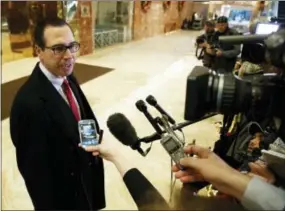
61	49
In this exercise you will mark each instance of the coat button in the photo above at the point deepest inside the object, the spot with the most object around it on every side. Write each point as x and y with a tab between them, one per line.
72	174
90	163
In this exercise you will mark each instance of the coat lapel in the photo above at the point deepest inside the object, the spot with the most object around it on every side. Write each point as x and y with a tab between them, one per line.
56	107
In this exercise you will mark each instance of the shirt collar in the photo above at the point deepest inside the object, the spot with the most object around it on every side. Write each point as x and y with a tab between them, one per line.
56	81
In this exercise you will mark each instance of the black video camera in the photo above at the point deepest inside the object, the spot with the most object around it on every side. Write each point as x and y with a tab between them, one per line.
209	92
211	39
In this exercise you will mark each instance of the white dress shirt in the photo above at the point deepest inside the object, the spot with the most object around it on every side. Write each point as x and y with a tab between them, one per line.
57	83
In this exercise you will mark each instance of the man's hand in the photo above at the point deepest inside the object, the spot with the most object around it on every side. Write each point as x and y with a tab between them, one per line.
203	45
260	169
210	51
219	52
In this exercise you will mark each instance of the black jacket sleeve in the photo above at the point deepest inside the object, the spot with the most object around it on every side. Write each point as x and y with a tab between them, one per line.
143	192
27	128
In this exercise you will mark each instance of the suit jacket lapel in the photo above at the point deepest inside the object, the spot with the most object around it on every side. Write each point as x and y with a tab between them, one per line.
56	107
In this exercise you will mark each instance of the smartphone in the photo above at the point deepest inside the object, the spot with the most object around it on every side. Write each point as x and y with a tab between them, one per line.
88	133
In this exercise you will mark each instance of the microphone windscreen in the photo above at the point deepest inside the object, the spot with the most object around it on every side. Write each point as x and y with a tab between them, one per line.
122	129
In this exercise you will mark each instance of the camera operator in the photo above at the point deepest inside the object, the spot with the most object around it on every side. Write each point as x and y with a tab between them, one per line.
203	41
225	54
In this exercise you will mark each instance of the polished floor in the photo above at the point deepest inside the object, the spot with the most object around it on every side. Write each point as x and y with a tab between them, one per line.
157	66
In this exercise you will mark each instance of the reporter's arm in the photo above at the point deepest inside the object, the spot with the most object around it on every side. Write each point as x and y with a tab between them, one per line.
122	164
142	191
252	192
260	195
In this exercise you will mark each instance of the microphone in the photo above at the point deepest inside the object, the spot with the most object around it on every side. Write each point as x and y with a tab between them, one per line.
152	101
141	106
124	131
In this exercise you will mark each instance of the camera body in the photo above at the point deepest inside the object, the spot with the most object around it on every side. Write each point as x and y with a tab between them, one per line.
258	97
208	92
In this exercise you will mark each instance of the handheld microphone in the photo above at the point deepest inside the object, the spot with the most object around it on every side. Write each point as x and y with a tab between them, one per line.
141	106
124	131
153	102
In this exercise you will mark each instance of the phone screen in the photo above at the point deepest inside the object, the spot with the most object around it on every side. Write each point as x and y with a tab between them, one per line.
88	133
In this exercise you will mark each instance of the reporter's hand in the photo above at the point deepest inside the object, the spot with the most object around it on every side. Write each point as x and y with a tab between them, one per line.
112	151
108	150
260	169
207	166
213	169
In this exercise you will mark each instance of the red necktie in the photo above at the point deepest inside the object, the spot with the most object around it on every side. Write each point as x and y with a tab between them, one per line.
71	100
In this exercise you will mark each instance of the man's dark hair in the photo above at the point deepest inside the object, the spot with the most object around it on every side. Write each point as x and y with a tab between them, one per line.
210	23
222	19
262	2
41	26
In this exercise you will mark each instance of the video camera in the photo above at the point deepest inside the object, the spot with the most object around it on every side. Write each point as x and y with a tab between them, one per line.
259	98
209	92
211	39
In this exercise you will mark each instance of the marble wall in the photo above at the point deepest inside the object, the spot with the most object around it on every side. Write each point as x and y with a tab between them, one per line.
156	20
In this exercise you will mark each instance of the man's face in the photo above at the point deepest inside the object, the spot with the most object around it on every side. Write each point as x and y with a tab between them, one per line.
209	29
221	27
55	58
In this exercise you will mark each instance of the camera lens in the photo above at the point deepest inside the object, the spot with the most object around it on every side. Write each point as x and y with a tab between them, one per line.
208	92
225	93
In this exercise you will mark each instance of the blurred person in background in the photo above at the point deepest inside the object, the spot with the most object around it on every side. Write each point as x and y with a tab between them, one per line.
225	53
205	41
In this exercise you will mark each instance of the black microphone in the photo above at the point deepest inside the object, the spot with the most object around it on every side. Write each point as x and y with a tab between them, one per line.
152	101
156	136
141	106
124	131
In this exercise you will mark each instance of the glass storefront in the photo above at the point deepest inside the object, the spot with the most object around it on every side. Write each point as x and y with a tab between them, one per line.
113	22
